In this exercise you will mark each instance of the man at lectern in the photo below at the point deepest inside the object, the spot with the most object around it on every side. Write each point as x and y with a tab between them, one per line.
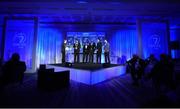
63	51
77	47
99	51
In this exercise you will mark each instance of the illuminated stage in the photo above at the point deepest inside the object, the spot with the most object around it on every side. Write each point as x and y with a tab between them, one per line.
91	73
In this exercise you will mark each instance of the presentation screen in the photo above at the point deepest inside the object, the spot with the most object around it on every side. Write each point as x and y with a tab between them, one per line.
84	37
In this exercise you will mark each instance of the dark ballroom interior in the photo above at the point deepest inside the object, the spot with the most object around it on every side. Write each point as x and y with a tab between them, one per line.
89	54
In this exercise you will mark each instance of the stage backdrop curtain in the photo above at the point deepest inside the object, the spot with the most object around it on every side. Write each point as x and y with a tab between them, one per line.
48	46
123	44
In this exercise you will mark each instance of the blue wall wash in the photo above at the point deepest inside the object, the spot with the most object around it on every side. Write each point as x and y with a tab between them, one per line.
154	38
124	43
48	46
19	39
175	33
123	40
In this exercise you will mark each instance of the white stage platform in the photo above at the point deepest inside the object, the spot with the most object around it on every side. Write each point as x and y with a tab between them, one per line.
91	77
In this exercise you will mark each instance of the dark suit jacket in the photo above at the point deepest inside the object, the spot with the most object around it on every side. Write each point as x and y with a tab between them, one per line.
99	47
94	47
63	48
85	50
78	48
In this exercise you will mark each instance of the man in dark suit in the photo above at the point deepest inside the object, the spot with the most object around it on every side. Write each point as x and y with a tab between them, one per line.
63	51
106	52
99	51
85	52
92	48
77	47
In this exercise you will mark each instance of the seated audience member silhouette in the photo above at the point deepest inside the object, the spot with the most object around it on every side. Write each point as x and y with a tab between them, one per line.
170	74
150	62
0	66
0	72
0	62
162	73
151	59
136	66
13	70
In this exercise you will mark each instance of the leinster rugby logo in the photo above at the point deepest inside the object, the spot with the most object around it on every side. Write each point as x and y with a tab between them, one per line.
19	40
154	41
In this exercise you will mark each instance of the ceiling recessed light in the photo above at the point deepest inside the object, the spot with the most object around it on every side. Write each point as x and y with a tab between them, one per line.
115	3
82	2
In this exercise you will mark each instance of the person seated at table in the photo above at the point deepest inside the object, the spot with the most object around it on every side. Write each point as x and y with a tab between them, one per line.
13	70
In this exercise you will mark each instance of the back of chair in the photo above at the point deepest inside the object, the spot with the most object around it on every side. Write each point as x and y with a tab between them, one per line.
48	79
42	66
44	76
62	78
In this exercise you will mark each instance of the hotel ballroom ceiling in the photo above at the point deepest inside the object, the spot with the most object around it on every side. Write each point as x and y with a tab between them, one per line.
92	11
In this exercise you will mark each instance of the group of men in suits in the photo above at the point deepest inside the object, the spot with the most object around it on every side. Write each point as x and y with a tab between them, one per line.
88	51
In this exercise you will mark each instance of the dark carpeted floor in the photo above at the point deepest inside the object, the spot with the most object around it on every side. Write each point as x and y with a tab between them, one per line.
117	92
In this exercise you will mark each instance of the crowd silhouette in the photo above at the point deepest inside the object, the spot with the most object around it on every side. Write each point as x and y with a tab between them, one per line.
161	72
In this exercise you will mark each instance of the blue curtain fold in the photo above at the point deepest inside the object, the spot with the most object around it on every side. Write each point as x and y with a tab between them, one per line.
48	46
123	44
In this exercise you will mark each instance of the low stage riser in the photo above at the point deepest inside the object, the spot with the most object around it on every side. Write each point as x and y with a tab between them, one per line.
91	77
